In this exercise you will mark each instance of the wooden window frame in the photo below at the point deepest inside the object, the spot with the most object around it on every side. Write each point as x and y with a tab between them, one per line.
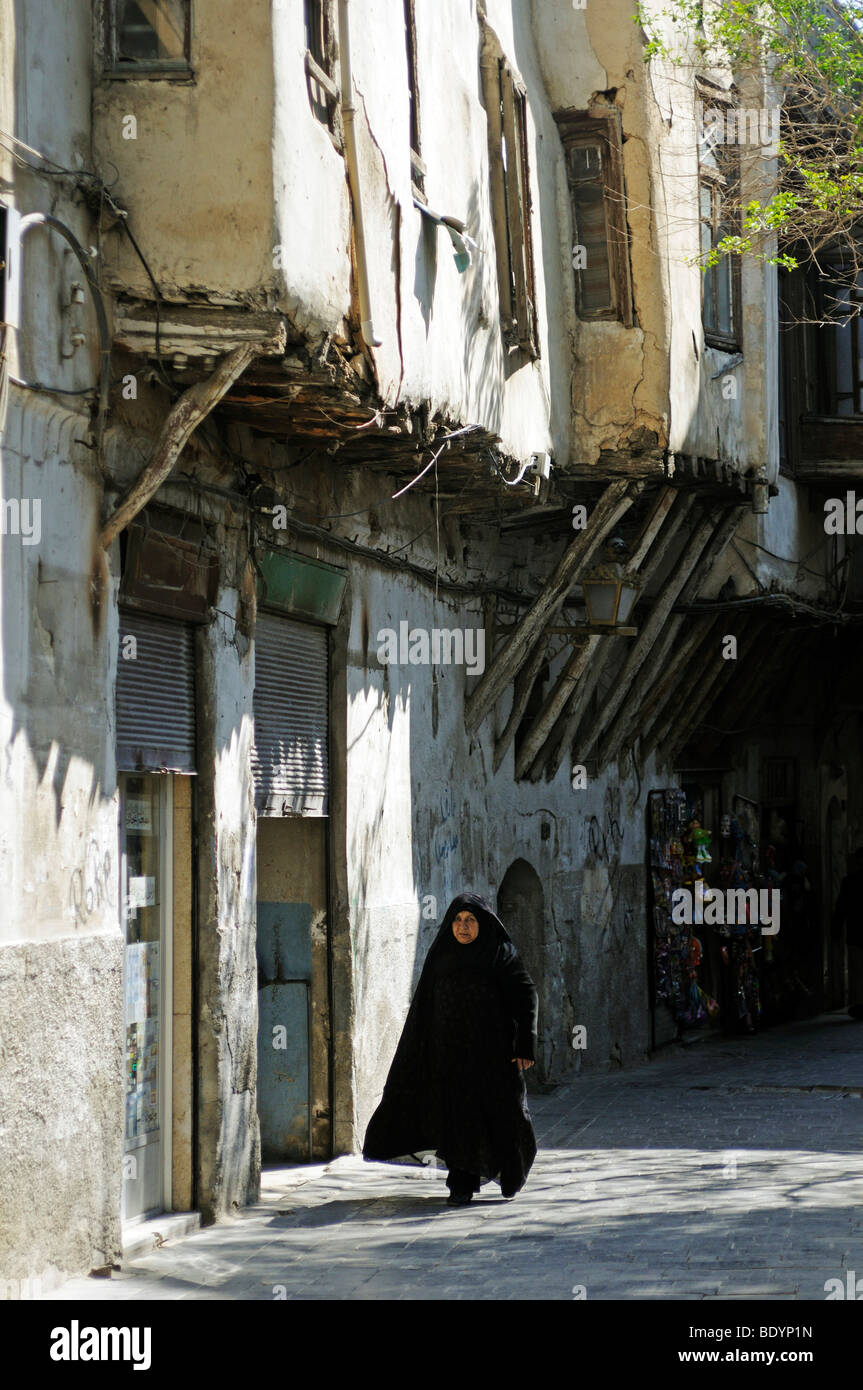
824	287
717	181
166	69
418	168
579	129
506	106
322	65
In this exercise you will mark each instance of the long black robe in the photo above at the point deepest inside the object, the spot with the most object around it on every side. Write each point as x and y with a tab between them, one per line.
453	1086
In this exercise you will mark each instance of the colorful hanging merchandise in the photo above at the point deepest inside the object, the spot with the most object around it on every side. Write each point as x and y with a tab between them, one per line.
741	940
678	848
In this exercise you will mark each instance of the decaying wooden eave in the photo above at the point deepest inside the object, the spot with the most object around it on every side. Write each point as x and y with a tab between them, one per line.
505	665
672	634
643	684
709	684
573	672
648	636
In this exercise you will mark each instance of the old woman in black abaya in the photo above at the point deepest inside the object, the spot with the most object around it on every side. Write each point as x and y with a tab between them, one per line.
456	1083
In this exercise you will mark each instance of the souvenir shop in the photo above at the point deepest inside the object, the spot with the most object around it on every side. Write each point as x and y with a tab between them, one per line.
704	975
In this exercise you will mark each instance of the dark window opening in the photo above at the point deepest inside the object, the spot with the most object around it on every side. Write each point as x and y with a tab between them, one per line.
837	293
600	253
149	34
719	217
417	166
506	105
321	61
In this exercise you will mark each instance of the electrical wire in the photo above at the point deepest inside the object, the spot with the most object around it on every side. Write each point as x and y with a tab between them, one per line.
429	465
824	615
43	219
786	559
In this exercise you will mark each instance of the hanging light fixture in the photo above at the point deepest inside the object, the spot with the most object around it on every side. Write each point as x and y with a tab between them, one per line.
610	590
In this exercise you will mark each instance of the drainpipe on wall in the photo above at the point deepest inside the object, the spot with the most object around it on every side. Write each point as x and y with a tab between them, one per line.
348	114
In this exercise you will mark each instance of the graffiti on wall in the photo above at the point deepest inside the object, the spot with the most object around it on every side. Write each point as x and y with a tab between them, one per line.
91	887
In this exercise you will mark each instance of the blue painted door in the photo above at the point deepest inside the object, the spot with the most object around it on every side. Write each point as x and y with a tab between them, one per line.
284	950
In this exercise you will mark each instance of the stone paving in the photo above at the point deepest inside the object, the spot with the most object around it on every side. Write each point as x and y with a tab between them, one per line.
726	1170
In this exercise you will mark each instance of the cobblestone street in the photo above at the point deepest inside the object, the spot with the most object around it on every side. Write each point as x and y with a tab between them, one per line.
731	1169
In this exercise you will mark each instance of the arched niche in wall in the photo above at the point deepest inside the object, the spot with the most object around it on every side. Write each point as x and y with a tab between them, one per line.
521	908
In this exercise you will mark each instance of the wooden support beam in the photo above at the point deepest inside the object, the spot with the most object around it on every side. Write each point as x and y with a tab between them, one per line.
521	694
574	669
614	503
689	713
662	607
788	649
182	419
554	703
770	644
579	662
688	658
672	633
562	736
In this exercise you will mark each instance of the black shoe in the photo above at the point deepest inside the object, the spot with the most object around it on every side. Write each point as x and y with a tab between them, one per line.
459	1199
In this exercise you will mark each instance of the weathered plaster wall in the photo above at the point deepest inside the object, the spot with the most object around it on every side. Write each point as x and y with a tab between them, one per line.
587	56
228	1137
61	1002
272	215
196	178
440	330
720	407
427	817
666	389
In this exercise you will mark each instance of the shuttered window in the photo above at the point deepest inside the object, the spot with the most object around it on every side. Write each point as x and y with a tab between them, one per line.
600	254
155	694
290	758
591	229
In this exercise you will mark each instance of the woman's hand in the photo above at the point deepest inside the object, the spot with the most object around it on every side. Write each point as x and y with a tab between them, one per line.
523	1062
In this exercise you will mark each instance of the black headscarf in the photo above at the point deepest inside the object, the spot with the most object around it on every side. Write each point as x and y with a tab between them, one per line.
448	956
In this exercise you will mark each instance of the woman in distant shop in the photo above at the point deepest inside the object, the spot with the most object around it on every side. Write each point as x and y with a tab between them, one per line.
456	1083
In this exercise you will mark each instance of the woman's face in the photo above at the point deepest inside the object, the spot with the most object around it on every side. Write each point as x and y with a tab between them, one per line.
465	928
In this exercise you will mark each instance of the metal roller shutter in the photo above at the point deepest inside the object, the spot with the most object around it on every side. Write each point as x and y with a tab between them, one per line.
156	695
290	757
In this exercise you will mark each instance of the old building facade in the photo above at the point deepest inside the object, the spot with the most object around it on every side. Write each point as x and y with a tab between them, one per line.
337	348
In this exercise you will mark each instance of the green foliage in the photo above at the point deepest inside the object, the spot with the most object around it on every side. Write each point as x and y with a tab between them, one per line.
813	51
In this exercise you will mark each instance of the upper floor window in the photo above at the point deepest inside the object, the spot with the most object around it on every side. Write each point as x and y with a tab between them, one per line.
506	104
418	169
149	37
835	339
600	253
719	217
321	55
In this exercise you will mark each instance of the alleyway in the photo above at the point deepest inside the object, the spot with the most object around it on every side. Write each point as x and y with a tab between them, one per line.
730	1170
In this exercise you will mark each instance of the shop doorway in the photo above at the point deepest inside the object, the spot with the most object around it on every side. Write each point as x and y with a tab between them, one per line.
291	768
156	868
156	731
293	993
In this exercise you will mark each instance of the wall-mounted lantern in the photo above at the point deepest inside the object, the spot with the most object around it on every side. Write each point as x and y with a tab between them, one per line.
609	593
